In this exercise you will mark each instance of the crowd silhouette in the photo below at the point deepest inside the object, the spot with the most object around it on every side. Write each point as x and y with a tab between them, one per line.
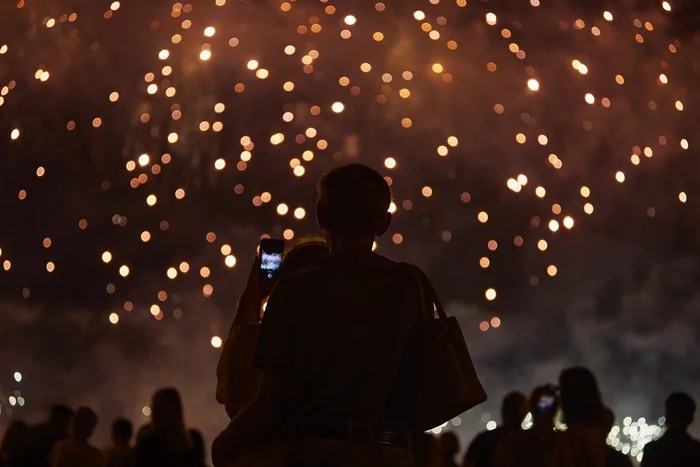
322	371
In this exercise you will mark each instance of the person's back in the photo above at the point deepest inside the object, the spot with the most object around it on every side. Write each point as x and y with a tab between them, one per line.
356	320
483	448
41	438
120	453
77	451
676	447
613	457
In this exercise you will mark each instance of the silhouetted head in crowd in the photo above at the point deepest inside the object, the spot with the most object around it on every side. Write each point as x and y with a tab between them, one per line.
122	431
513	410
84	423
168	417
353	203
11	442
680	411
580	398
60	418
544	404
306	252
449	446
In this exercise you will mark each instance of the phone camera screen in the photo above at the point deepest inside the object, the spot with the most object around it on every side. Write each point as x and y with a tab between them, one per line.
270	263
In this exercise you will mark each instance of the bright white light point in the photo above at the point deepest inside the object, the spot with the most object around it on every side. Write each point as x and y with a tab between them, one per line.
106	257
553	225
18	376
338	107
164	54
282	209
252	64
151	200
113	318
682	197
419	15
219	164
216	342
15	134
533	84
289	50
684	144
491	19
350	20
666	6
583	69
230	261
590	99
3	49
144	159
205	55
115	6
608	16
124	271
568	222
620	177
392	207
210	31
491	425
146	411
522	179
490	294
389	162
299	213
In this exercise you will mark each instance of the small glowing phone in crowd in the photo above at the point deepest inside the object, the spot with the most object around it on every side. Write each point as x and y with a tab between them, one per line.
271	251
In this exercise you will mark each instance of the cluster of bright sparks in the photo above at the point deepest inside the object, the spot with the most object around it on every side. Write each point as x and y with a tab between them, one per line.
204	44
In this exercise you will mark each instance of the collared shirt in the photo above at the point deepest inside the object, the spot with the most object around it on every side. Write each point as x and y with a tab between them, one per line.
338	334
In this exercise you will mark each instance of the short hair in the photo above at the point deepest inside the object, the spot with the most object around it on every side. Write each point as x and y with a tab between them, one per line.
680	410
61	412
355	197
84	423
122	429
514	407
306	252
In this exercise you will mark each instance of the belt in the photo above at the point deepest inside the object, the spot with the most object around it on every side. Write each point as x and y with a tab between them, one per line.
355	434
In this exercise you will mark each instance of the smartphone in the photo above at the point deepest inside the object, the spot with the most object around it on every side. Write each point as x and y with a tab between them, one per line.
271	251
546	403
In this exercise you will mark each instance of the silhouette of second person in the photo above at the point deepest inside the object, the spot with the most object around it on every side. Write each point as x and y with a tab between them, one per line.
335	344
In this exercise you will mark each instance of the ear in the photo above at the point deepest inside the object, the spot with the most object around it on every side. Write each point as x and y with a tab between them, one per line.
383	225
321	216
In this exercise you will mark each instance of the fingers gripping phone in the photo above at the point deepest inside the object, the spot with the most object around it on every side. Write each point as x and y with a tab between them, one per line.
271	251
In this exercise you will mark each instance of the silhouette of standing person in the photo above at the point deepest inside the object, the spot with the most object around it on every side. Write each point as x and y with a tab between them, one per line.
166	442
481	451
40	438
675	447
332	343
77	451
11	443
583	442
120	453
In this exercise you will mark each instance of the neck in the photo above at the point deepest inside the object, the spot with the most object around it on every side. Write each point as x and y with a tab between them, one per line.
348	243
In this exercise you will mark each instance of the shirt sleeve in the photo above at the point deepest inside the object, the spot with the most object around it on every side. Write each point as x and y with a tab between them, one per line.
274	349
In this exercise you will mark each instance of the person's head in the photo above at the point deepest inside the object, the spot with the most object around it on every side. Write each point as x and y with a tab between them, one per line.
680	411
13	439
544	404
449	446
84	423
60	418
514	409
306	252
122	431
581	402
353	201
166	410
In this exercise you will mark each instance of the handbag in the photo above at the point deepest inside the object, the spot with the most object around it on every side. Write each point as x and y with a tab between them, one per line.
447	383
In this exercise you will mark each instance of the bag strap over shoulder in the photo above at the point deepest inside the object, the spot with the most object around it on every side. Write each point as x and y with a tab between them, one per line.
430	302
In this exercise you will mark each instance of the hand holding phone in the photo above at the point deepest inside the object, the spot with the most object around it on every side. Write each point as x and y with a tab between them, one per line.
271	251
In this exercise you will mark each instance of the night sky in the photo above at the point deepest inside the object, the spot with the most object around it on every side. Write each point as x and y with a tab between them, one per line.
543	159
